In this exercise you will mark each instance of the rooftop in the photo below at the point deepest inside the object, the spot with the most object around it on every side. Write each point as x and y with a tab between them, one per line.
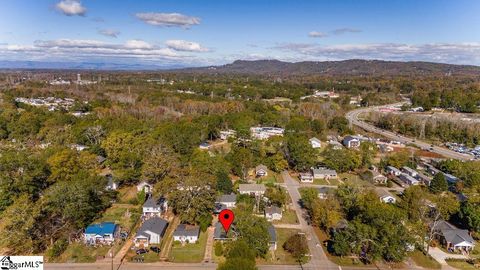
251	187
273	210
155	224
227	198
101	228
186	230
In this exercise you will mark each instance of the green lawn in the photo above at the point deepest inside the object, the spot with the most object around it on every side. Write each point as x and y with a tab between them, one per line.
289	217
280	256
80	253
321	182
424	261
271	178
189	253
462	265
354	180
125	215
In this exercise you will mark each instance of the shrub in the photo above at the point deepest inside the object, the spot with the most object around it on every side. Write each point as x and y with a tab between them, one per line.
218	249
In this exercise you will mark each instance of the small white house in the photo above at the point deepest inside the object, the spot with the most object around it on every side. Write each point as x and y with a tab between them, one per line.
324	173
393	171
144	186
315	143
228	200
306	177
252	189
111	185
351	142
261	170
273	213
323	192
186	233
385	196
154	207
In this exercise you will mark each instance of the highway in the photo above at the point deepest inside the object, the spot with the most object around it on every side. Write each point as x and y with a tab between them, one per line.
352	117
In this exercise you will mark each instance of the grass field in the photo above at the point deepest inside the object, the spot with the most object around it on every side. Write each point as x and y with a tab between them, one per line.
80	253
271	178
289	217
126	215
462	265
189	253
424	261
280	256
354	179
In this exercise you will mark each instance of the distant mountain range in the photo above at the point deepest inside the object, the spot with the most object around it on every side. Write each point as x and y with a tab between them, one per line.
353	67
347	67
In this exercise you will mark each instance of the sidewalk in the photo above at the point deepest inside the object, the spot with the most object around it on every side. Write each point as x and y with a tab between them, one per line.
209	245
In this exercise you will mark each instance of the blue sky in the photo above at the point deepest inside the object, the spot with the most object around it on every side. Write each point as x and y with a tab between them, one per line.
216	32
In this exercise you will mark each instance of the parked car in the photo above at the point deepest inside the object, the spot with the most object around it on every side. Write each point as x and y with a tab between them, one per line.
155	249
142	251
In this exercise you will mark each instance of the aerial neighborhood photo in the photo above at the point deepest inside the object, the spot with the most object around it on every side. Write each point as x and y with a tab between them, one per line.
240	134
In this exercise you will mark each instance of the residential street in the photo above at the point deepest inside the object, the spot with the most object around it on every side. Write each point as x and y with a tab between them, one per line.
319	259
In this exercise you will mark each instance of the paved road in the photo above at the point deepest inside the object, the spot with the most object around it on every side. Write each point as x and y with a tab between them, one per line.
318	258
190	266
352	117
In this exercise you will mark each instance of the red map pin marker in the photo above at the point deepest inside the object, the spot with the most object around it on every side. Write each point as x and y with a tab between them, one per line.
226	217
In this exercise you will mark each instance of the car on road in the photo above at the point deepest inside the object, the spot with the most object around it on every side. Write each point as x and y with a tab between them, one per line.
142	251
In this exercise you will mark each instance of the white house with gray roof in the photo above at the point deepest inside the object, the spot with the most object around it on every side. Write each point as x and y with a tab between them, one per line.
151	232
454	239
228	200
385	196
154	207
186	233
324	173
252	189
315	143
273	213
261	170
393	171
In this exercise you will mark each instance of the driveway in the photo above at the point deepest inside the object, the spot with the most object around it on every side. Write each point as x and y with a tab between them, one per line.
440	256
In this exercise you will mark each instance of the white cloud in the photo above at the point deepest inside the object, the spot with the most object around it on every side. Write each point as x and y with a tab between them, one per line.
109	32
62	49
71	8
168	19
138	44
187	46
317	34
458	53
